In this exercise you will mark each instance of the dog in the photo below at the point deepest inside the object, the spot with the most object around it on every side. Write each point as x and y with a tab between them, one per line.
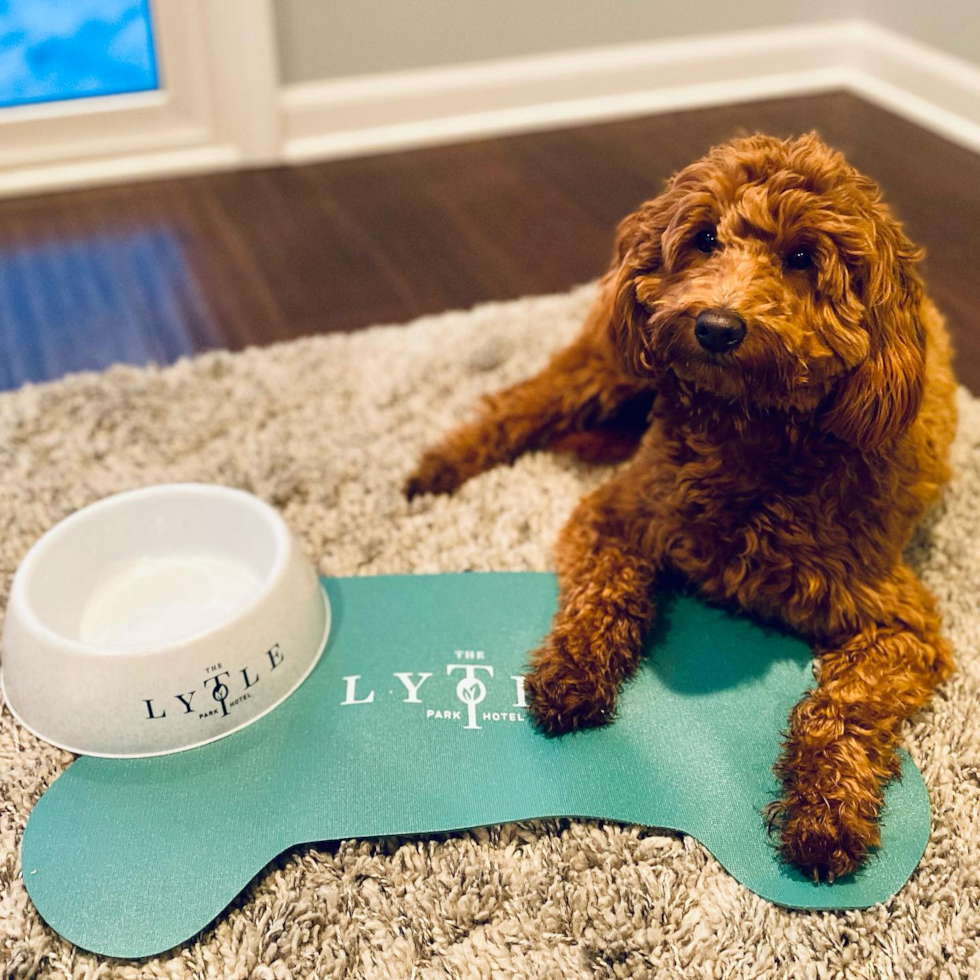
767	309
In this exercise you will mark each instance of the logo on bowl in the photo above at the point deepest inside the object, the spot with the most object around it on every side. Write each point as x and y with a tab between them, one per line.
220	691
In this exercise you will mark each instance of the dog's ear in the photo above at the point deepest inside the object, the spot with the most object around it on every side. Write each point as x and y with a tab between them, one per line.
638	251
880	398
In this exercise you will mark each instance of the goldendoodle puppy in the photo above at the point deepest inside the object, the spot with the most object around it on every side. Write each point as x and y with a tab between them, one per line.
767	306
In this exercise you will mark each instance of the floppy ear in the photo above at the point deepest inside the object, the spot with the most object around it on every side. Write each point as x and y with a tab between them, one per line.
638	251
880	398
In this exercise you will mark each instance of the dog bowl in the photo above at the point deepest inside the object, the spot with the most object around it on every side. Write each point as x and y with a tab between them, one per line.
158	620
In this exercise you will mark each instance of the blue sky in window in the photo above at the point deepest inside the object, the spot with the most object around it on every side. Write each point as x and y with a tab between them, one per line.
66	49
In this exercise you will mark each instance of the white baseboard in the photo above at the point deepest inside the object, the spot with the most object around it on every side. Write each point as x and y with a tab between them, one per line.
367	115
307	141
69	174
926	86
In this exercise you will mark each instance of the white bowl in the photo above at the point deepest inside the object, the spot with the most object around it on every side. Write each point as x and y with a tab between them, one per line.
160	619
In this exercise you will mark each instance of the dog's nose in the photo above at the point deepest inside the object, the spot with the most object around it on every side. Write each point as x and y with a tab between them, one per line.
719	330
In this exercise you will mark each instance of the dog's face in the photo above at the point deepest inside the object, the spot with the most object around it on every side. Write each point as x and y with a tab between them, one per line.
769	273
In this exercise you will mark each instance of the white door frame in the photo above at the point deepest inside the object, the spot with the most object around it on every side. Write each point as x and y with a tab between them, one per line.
217	107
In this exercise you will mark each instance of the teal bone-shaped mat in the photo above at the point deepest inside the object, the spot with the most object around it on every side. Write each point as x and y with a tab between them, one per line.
413	722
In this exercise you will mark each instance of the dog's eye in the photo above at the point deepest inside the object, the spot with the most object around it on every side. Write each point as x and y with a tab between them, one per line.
705	240
799	259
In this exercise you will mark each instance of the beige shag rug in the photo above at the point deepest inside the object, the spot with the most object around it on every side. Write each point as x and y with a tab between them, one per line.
326	429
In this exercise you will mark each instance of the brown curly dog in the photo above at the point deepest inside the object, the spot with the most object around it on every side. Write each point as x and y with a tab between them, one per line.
768	305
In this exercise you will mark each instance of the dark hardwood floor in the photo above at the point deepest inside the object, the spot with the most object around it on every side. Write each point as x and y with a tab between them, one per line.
152	271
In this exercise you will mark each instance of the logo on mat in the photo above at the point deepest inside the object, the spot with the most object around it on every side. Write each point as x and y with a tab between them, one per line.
474	683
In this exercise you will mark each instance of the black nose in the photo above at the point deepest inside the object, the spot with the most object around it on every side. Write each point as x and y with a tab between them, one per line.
719	330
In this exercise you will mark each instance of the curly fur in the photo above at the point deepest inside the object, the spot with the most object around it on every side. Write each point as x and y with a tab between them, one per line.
783	477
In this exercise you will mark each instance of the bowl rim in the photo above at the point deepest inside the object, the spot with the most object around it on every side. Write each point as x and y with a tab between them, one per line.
35	554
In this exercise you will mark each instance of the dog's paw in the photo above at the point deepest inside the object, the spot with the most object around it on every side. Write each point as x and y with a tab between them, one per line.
827	818
564	696
434	474
833	774
825	838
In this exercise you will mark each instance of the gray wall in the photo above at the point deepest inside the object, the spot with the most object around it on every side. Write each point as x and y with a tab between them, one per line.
950	25
334	38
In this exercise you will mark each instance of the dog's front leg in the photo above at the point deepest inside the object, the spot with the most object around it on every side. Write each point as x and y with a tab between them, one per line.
606	571
841	746
582	385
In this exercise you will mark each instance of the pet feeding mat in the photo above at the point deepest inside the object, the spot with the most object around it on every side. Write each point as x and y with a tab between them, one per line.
413	722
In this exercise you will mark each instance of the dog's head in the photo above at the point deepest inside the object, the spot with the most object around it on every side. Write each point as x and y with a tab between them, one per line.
770	273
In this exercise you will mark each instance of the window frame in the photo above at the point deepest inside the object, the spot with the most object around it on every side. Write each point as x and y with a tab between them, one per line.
207	113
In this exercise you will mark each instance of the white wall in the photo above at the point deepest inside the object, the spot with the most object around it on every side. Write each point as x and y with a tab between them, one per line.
338	38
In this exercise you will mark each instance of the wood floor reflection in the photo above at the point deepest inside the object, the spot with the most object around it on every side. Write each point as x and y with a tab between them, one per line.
152	271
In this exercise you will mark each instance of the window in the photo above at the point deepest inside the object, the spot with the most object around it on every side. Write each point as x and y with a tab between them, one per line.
108	90
51	50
